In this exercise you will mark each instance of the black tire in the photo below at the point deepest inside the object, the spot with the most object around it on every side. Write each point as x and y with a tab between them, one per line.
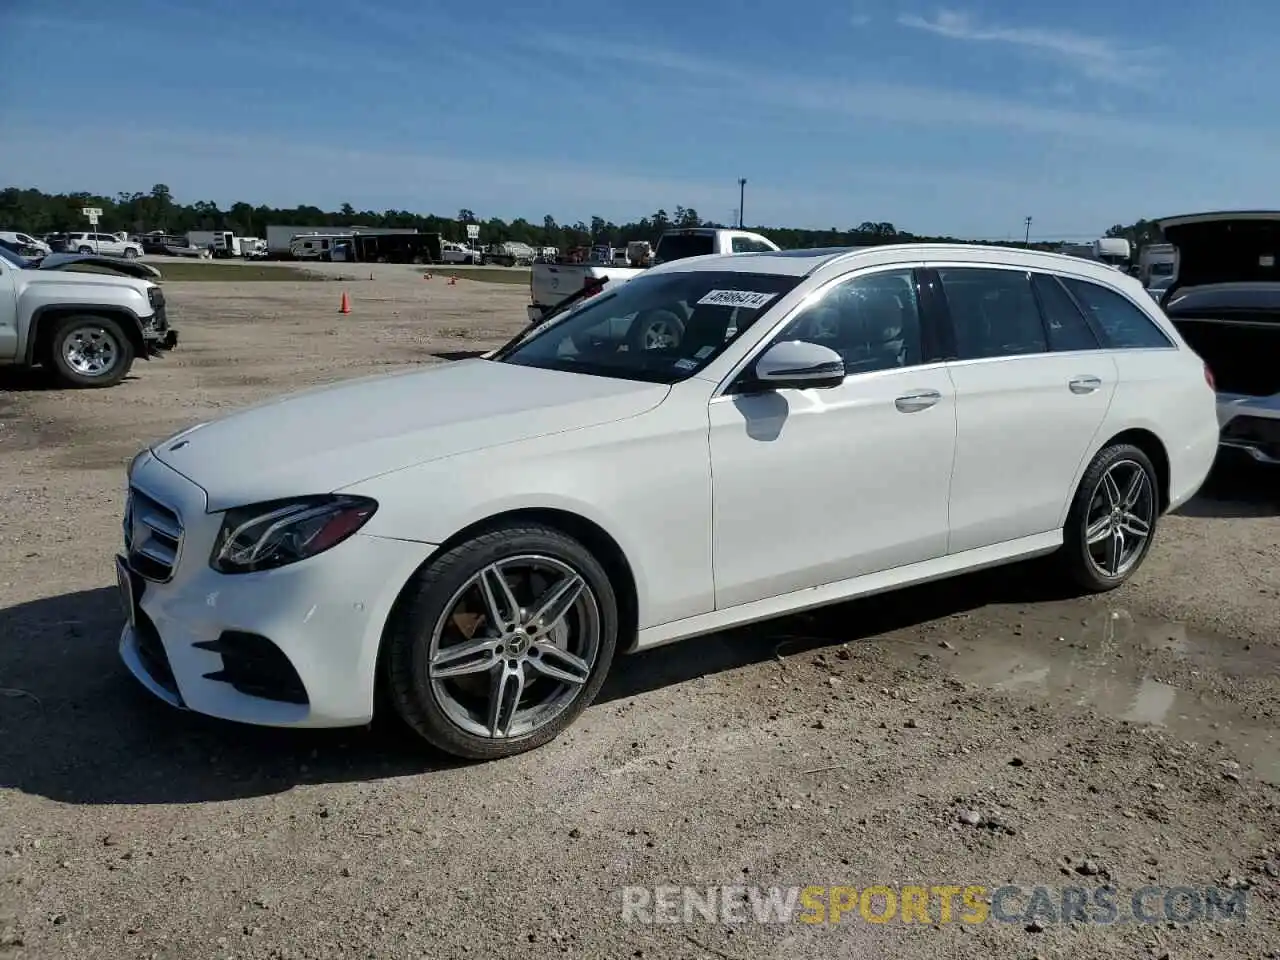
1077	559
638	336
424	603
130	253
104	331
84	249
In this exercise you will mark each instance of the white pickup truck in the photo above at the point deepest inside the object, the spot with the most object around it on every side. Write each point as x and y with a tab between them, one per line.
552	283
85	328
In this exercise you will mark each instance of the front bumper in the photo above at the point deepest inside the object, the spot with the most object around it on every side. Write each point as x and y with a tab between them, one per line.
156	332
292	647
1250	425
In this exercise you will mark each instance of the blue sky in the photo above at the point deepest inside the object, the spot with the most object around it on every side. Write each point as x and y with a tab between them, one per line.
959	119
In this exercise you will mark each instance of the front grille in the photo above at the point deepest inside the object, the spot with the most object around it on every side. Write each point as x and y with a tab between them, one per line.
152	537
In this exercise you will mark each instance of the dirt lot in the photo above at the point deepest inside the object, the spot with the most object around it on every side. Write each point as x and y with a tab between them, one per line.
982	732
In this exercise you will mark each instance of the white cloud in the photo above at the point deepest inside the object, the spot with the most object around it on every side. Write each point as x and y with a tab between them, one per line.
1096	57
899	103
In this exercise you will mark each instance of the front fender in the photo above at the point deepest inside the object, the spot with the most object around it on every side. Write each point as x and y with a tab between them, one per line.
648	488
48	314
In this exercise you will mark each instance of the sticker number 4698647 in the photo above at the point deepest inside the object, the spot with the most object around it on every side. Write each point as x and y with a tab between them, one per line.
736	298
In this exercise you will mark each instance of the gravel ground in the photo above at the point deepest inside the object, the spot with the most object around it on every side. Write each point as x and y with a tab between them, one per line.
981	732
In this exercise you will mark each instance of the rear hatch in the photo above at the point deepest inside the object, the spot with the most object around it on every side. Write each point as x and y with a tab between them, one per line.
1225	298
1225	247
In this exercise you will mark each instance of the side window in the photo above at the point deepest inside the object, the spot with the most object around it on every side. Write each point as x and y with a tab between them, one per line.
1126	327
741	245
872	321
1066	325
994	312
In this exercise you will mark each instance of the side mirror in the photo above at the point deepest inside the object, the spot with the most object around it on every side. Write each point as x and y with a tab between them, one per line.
800	365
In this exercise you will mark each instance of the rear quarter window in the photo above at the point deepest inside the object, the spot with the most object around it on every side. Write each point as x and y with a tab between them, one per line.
1126	326
681	246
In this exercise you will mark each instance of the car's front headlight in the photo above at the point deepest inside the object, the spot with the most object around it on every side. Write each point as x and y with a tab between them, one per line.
264	536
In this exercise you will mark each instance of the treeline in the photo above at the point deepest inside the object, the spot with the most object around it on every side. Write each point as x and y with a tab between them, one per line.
36	212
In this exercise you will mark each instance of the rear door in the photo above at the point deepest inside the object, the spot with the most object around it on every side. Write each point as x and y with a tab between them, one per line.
1033	385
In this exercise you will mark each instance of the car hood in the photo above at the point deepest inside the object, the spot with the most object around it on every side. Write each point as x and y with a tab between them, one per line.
85	279
128	268
330	437
1222	248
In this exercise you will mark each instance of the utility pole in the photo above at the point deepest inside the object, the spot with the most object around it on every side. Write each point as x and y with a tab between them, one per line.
742	196
1026	239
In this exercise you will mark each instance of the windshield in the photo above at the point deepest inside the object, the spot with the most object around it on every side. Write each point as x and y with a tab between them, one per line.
681	246
661	328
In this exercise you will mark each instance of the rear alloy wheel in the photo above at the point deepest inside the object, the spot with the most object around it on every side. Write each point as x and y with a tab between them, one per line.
502	642
130	253
90	352
1112	521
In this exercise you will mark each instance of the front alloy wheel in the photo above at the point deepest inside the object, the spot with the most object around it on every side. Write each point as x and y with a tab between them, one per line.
501	642
514	646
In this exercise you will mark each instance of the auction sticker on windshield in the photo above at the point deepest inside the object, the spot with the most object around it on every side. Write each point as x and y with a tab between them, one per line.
736	298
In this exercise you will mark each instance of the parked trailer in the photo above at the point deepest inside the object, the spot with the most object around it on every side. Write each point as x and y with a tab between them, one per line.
279	236
391	248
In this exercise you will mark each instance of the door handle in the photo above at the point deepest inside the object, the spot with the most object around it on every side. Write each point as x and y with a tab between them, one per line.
1084	384
914	402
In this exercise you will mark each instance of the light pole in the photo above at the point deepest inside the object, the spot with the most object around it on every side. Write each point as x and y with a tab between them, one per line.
1026	238
742	195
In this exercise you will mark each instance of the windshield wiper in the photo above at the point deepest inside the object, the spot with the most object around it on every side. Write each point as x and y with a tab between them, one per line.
560	306
590	286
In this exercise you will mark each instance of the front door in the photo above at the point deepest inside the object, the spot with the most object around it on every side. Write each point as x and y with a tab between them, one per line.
817	486
8	312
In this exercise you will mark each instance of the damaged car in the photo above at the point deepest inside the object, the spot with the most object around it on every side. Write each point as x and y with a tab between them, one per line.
1225	301
86	328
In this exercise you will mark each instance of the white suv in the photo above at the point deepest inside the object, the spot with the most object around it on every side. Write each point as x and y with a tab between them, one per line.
102	243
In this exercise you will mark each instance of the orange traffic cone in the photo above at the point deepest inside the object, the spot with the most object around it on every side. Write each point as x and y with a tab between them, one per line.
346	304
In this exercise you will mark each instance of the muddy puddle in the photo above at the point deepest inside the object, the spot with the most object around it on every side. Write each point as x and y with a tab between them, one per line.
1142	671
